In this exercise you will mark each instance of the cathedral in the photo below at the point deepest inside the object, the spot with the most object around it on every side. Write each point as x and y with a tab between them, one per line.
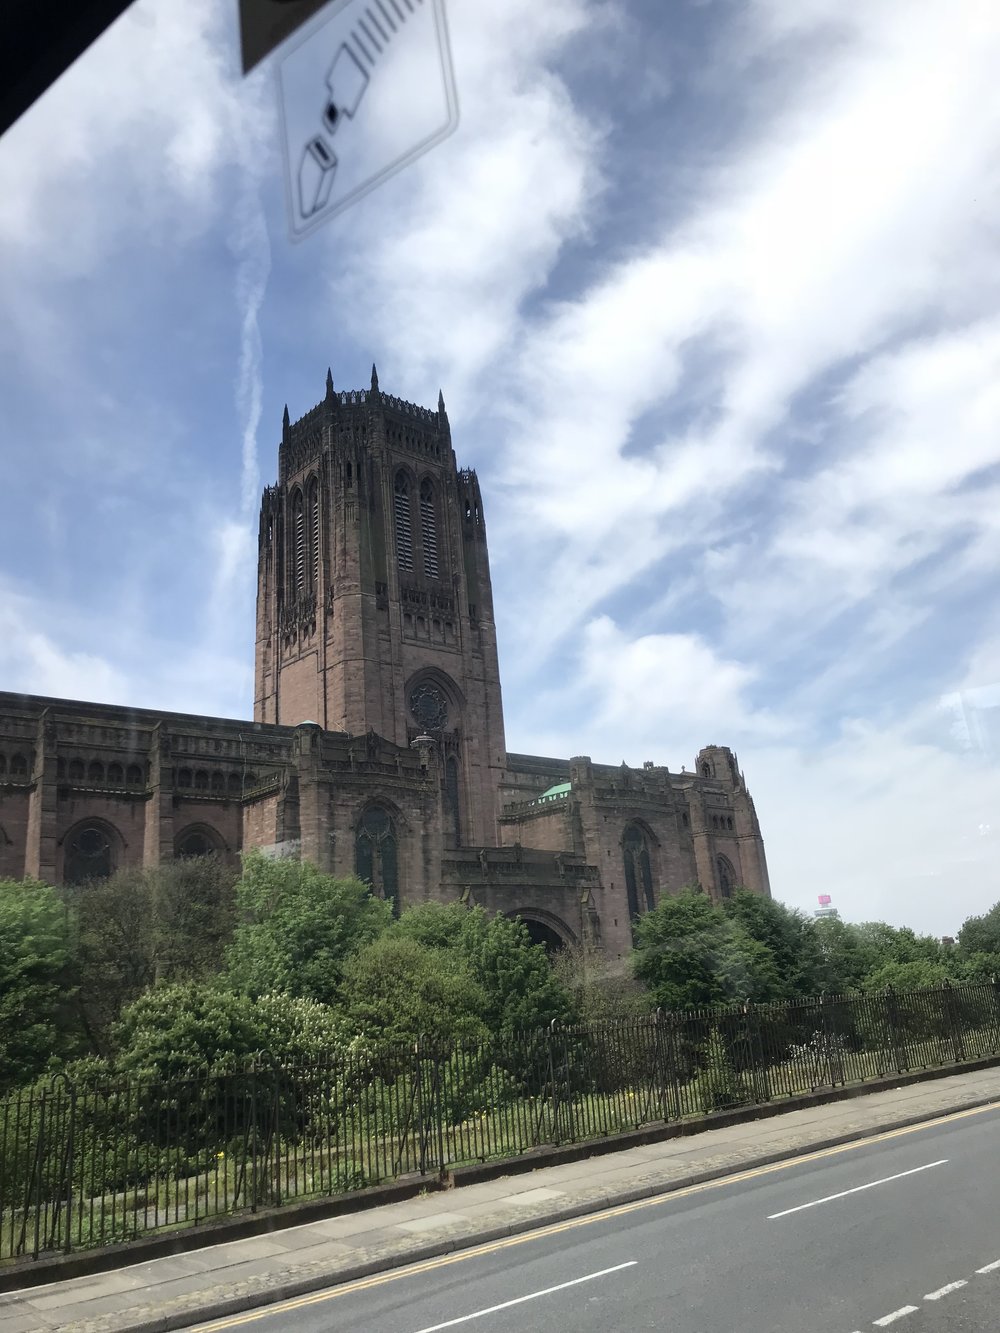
377	743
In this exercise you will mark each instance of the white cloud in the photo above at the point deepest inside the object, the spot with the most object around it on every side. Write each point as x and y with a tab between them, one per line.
892	829
433	268
33	661
848	220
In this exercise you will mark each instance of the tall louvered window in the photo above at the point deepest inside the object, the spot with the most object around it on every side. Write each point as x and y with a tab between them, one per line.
451	792
428	528
313	534
404	521
299	542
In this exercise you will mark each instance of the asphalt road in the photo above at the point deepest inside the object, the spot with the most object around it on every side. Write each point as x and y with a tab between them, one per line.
898	1234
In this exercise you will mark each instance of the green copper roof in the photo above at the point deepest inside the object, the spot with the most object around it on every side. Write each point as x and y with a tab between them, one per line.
560	789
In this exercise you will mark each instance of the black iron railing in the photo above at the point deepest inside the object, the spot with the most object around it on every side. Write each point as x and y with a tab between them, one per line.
102	1161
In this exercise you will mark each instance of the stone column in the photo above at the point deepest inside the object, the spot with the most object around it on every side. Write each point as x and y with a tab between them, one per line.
158	832
40	841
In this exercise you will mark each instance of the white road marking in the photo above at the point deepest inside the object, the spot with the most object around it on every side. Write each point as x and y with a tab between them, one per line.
943	1291
857	1189
896	1314
532	1296
990	1268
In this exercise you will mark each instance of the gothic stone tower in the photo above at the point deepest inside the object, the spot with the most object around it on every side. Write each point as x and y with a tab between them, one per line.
374	604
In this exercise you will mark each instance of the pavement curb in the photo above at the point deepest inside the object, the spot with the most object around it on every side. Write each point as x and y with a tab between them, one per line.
234	1305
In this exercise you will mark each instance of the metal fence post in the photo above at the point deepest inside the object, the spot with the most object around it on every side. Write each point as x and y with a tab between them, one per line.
422	1137
661	1063
892	1012
70	1166
439	1109
552	1082
954	1027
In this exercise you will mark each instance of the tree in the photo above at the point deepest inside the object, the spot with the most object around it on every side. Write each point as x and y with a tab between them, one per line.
297	927
142	926
690	954
174	1030
918	974
522	991
981	934
397	989
791	939
520	987
855	953
35	981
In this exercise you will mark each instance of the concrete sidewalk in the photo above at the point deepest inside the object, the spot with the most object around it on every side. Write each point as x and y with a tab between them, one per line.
222	1279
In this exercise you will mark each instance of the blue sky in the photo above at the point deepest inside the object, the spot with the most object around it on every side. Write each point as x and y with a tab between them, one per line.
711	290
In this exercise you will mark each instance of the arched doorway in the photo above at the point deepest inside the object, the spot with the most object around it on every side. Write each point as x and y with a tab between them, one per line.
546	930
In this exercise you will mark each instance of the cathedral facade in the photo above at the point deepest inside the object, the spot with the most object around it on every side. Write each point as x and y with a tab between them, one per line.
377	741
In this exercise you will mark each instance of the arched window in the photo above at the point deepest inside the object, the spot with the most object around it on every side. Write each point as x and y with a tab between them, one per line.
298	542
218	782
403	521
729	822
3	764
727	876
76	770
451	794
428	528
314	556
95	773
706	771
116	775
638	871
184	778
18	766
88	855
201	780
375	855
233	784
134	775
195	842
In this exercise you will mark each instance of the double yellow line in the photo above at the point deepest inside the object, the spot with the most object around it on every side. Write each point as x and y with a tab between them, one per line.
555	1228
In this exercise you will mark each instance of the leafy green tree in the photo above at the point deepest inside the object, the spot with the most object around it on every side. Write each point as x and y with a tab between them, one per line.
847	958
297	927
172	1030
897	944
791	939
434	925
690	954
521	989
977	967
918	974
856	952
35	957
981	934
147	925
398	989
